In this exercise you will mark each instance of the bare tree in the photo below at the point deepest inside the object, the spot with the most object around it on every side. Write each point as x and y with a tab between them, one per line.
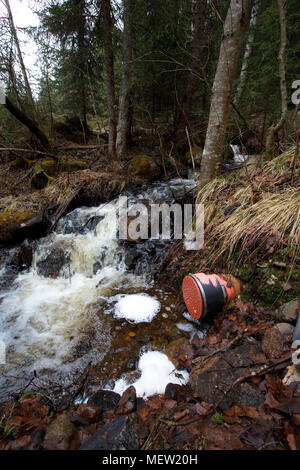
110	80
273	130
28	122
126	82
236	17
20	56
248	50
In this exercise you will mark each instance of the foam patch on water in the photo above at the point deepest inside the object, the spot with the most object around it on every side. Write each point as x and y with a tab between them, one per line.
137	308
157	371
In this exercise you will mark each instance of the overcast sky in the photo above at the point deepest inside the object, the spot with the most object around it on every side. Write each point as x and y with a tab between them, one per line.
23	14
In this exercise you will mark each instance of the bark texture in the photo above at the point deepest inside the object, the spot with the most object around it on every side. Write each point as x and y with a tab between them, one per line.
110	80
20	56
248	50
226	69
28	122
126	83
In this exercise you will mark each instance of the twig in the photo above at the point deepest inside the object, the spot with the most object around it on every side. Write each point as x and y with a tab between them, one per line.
203	358
191	150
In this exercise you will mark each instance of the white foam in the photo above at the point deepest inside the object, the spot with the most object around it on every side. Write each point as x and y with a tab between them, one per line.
137	308
157	372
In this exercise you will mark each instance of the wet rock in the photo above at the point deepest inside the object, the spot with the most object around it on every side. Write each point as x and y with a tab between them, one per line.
131	257
273	343
145	167
171	391
212	379
286	330
16	226
127	404
292	375
59	432
53	263
119	434
88	412
21	443
36	439
23	255
289	312
174	350
106	399
92	223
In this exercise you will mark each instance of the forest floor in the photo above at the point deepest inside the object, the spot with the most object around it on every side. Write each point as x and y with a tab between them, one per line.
244	386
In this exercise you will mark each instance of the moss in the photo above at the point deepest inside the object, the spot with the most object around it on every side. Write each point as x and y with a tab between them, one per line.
73	165
48	169
10	222
267	286
144	167
197	154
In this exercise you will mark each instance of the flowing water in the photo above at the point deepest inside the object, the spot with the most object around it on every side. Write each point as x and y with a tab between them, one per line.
69	314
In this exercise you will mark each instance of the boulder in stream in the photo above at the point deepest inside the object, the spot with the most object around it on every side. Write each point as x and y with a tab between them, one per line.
106	399
145	167
53	263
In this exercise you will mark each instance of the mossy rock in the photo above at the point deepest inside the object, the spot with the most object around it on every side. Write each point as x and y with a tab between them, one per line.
11	222
45	170
144	167
73	165
266	284
197	155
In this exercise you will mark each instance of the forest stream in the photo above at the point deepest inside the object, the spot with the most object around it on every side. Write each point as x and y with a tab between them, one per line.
72	310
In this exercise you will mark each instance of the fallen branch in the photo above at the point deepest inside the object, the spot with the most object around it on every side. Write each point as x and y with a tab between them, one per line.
16	150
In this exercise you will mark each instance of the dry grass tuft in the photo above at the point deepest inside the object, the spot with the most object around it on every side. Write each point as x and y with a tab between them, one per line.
242	211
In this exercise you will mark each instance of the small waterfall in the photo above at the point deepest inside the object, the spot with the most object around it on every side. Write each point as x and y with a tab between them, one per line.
238	156
57	317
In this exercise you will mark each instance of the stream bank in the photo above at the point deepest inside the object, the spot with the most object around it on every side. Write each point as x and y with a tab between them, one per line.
243	388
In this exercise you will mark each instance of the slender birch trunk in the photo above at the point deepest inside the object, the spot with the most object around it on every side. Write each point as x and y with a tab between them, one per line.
220	101
270	140
20	56
124	97
248	50
110	77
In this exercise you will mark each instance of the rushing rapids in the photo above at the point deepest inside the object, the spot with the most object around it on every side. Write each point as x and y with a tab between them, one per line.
79	307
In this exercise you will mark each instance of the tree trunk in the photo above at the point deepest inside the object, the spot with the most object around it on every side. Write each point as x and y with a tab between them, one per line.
220	101
248	50
126	80
193	79
29	123
270	140
110	78
133	57
23	68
